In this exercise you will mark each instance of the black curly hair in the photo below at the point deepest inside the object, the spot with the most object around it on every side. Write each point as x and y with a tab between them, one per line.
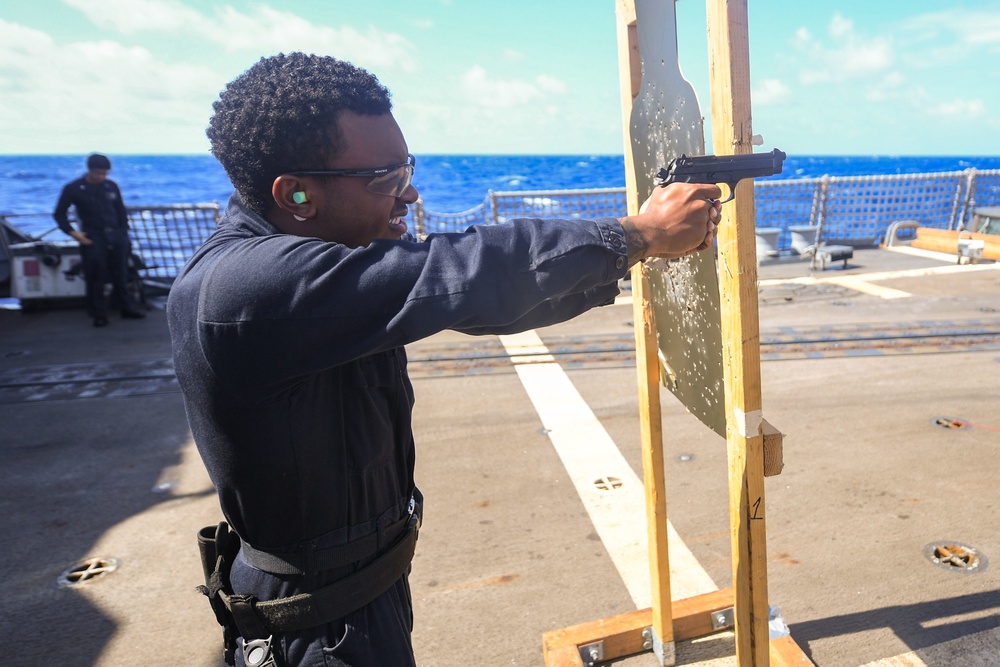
279	116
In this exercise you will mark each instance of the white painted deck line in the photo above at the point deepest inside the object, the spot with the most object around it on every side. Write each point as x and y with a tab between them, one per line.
887	275
589	454
981	649
920	252
861	284
861	281
919	273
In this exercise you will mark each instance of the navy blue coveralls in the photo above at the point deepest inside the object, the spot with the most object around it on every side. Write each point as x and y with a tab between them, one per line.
289	351
104	220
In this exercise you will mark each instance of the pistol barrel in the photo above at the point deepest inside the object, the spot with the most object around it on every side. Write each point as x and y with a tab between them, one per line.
749	164
728	169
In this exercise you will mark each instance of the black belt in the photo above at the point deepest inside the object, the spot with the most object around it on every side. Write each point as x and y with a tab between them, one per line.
255	618
309	559
259	619
104	230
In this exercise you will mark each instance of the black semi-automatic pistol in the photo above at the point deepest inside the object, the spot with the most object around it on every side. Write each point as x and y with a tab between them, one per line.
728	169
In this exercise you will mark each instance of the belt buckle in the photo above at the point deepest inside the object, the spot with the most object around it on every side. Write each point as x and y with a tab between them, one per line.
258	653
412	511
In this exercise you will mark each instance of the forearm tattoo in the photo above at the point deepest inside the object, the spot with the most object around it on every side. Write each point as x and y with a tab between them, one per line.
638	246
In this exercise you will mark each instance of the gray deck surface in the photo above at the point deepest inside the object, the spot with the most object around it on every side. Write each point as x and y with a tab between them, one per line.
96	460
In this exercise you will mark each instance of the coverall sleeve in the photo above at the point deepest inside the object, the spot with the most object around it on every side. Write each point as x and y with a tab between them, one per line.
304	304
61	214
120	209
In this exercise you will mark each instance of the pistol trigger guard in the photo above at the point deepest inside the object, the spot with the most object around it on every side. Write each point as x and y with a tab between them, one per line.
732	193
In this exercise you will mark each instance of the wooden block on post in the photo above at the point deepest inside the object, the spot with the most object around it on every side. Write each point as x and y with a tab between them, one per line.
773	449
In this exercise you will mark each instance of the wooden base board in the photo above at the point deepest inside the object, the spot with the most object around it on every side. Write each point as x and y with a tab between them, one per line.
946	240
622	635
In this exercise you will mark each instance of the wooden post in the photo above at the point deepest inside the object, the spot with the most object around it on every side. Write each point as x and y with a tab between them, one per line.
647	363
729	64
630	79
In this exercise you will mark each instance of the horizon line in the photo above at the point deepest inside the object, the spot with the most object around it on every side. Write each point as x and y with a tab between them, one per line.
496	154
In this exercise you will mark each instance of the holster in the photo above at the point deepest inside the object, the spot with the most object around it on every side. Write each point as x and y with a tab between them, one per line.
218	547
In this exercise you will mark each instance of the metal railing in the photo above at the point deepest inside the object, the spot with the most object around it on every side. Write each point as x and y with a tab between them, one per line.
163	237
849	210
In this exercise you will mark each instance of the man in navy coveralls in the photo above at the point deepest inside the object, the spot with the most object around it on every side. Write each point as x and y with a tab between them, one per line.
288	327
103	237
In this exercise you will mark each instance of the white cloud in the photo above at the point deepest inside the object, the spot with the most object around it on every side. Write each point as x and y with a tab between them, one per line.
770	91
848	56
71	95
893	79
479	89
889	88
959	109
550	84
494	113
968	26
865	58
934	69
512	55
261	30
20	41
114	93
269	30
132	16
840	27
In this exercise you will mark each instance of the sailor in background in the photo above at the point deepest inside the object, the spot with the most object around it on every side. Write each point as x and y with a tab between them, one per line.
103	237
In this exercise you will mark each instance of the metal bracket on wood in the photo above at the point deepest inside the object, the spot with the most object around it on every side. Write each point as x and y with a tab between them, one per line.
592	653
723	619
665	653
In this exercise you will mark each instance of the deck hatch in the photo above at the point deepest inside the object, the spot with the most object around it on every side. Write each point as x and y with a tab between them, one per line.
87	570
955	556
607	483
951	423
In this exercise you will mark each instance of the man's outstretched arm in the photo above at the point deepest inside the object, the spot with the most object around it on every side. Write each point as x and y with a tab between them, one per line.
675	221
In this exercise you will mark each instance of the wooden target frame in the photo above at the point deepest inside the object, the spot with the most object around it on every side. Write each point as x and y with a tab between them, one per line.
744	607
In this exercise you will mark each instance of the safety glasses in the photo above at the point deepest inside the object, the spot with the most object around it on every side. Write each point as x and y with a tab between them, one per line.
392	180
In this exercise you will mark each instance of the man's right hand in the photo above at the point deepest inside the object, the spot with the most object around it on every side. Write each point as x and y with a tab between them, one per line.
676	221
81	238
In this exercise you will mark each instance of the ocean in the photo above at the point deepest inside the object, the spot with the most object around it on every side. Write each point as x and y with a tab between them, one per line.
30	184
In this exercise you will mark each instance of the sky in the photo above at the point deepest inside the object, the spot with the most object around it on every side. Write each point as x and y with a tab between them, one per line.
850	77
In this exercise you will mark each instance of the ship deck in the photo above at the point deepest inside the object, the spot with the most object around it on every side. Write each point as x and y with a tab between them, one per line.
883	376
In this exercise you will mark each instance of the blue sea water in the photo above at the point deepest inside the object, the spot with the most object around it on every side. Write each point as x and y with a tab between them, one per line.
30	184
